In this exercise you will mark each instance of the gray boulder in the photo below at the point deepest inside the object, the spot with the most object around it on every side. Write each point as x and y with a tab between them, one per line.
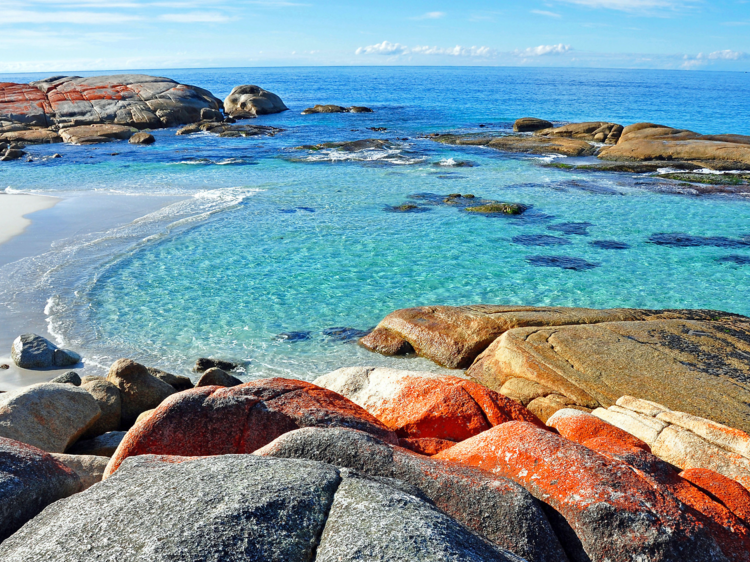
139	389
12	154
178	382
108	397
205	363
30	480
71	377
49	416
100	446
494	507
30	351
250	101
88	468
217	377
142	138
239	508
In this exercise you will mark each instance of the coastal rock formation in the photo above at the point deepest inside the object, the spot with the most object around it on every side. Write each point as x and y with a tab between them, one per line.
11	154
494	507
647	141
48	416
32	136
178	382
134	100
203	364
109	400
274	509
530	124
523	144
631	517
139	390
217	377
142	138
96	134
226	130
30	480
730	493
425	405
336	109
592	131
88	468
220	421
103	445
30	351
245	102
71	377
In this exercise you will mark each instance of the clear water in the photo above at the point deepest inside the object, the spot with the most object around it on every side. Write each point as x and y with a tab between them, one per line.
270	240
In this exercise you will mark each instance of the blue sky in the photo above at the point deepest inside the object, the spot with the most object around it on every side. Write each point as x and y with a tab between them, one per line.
64	35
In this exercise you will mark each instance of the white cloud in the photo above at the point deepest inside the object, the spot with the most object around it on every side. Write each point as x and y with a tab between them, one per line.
690	62
633	5
543	50
384	48
396	49
431	16
546	13
195	17
727	54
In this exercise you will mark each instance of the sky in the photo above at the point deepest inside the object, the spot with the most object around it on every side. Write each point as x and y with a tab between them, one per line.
67	35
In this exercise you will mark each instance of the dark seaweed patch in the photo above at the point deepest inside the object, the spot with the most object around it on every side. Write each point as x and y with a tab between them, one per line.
405	208
579	228
293	336
681	240
739	260
345	334
610	245
563	262
539	240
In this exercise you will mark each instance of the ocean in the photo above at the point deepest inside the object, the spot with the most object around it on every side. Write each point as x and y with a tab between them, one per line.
278	256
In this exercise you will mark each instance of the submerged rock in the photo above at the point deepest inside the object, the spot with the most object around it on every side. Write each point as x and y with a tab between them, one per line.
609	245
579	228
31	351
336	109
539	240
293	336
406	208
498	209
562	262
344	334
249	101
680	240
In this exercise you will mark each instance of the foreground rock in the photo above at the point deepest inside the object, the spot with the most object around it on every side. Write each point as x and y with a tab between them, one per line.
238	420
523	144
246	102
271	509
647	141
48	416
493	507
616	515
133	100
139	389
424	405
30	351
30	480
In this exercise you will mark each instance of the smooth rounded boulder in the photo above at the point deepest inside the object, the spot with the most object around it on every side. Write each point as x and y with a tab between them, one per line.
217	377
250	101
139	390
213	420
614	514
31	351
49	416
425	405
109	399
530	124
30	480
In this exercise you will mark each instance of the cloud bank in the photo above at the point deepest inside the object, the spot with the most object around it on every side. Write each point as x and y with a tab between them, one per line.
387	48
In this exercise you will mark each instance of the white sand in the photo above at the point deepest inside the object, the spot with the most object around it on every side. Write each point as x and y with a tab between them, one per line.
14	208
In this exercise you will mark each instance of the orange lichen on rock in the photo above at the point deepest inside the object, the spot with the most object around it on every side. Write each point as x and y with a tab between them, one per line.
213	420
581	427
731	494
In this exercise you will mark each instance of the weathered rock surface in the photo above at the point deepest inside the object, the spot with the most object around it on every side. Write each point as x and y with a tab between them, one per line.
425	405
139	390
529	124
96	134
731	494
217	377
178	382
48	416
31	136
596	131
453	336
30	351
128	99
426	446
250	101
88	468
582	427
250	508
524	144
241	419
648	141
109	400
616	515
494	507
142	138
101	446
30	480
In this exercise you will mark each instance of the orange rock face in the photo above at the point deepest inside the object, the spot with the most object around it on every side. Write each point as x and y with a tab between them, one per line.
213	420
582	427
427	447
616	514
731	494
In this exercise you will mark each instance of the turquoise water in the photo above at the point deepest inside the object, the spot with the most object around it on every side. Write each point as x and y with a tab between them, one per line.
270	240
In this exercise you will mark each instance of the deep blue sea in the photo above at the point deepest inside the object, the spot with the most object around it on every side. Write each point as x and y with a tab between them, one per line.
272	240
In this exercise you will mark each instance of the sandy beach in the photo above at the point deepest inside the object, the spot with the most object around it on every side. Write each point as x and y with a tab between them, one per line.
14	209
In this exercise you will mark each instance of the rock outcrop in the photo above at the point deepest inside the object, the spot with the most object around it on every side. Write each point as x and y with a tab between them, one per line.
134	100
139	389
425	405
30	351
217	377
523	144
109	400
245	102
494	507
48	416
97	134
336	109
239	420
162	508
530	124
30	480
142	138
596	131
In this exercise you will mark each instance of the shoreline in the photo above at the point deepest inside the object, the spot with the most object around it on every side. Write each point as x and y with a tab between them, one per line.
15	211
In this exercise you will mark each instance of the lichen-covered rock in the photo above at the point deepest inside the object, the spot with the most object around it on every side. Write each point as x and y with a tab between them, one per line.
139	390
425	405
581	427
734	496
31	351
239	420
101	446
427	446
109	399
30	480
493	507
530	124
48	416
217	377
88	468
616	515
251	101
